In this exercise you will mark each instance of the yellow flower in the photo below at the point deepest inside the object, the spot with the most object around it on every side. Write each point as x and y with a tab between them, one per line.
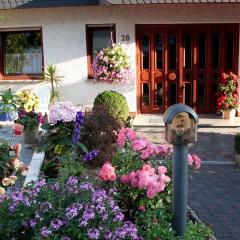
6	182
2	191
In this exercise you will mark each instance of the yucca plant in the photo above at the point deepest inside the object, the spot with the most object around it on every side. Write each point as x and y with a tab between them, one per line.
51	75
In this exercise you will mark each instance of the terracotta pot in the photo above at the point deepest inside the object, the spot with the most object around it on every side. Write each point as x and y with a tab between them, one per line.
229	114
17	129
30	135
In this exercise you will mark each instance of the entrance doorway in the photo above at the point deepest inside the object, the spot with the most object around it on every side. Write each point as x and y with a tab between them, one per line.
183	64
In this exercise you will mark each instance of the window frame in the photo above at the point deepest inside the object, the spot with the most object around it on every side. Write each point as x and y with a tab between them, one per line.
89	41
24	76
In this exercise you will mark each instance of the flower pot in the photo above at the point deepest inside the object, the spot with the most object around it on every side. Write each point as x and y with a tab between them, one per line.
30	135
229	114
237	160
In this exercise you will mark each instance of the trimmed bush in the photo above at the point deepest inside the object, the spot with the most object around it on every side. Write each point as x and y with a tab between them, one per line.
115	103
237	143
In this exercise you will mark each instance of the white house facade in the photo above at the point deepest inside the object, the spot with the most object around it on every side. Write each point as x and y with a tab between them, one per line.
177	50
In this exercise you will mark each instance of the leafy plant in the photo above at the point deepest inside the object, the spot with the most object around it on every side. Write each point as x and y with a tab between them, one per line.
116	105
8	101
237	143
52	76
100	132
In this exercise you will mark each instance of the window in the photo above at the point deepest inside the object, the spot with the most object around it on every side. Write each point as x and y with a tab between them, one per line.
98	37
21	53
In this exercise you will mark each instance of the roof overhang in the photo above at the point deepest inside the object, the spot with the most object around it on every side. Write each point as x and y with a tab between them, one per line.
13	4
134	2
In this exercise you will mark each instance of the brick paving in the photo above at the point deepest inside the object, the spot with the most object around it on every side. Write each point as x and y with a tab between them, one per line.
214	190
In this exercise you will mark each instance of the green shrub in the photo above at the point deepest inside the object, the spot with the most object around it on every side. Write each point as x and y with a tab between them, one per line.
237	143
115	103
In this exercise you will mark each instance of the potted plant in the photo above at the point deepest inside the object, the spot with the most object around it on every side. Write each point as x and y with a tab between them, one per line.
237	149
7	105
31	121
228	100
111	65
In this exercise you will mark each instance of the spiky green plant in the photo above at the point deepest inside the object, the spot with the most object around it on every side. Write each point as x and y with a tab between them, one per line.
51	75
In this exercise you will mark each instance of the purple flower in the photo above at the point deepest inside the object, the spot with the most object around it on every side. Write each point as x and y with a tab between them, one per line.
88	214
44	232
72	181
119	217
73	210
89	156
56	224
77	129
86	186
46	206
93	233
40	183
65	238
32	223
55	187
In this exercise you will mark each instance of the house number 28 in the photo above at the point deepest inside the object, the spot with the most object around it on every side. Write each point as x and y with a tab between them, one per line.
125	38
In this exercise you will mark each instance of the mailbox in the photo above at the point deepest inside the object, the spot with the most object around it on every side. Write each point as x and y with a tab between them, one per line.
180	124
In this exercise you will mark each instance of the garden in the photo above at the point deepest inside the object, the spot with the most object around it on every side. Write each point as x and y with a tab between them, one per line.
99	179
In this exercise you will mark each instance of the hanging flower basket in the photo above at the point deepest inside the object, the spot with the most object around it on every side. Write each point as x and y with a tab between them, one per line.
112	65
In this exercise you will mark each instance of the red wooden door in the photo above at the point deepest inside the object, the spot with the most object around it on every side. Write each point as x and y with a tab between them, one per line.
182	64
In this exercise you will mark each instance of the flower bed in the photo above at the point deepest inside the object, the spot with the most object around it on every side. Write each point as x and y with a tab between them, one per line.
131	198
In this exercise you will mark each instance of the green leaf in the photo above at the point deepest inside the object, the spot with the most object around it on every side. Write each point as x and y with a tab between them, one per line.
58	149
83	147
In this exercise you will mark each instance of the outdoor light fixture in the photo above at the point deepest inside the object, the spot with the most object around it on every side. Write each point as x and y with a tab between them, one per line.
180	130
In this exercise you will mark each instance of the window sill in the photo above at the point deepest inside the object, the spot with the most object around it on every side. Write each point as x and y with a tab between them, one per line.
22	78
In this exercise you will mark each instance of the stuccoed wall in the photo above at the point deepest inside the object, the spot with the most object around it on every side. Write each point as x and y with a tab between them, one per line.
64	39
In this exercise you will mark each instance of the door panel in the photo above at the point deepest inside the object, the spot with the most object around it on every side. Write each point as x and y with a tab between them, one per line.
183	63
